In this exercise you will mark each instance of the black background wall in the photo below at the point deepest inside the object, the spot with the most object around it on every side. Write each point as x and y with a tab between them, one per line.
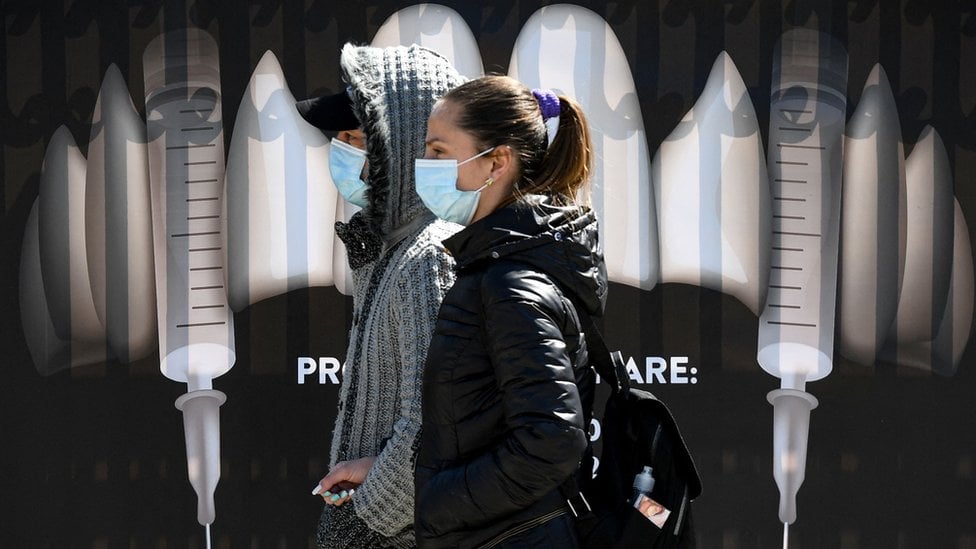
94	457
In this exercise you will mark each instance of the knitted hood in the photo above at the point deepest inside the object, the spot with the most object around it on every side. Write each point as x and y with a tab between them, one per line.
393	91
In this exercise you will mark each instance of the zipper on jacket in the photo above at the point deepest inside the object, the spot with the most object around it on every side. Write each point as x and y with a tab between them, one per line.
522	527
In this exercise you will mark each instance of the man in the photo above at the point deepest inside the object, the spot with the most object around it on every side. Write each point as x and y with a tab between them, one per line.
401	271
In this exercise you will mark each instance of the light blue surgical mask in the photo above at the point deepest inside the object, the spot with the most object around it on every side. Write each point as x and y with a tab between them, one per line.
346	166
437	187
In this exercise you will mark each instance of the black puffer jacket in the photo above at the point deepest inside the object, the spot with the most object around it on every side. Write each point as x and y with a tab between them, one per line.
507	387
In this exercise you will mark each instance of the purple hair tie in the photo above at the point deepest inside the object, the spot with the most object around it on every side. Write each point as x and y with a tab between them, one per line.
548	103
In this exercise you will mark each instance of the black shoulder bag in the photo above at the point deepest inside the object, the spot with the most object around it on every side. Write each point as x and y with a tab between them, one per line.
638	431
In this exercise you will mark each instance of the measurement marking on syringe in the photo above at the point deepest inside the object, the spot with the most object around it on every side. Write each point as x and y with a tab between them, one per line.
797	217
785	287
785	268
815	147
199	163
201	199
214	249
200	129
206	287
798	111
801	181
190	181
782	249
781	306
180	235
801	324
195	110
214	268
789	199
183	147
808	130
217	306
201	324
196	217
788	163
814	235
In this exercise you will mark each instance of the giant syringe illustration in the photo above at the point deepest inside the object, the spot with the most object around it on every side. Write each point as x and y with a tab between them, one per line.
805	162
186	159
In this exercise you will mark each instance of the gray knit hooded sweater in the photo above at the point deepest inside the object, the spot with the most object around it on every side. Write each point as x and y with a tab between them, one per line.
401	272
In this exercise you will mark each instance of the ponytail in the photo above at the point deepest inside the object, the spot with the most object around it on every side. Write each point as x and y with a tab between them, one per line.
566	165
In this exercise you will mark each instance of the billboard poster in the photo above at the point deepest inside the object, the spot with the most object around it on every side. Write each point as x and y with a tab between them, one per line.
787	202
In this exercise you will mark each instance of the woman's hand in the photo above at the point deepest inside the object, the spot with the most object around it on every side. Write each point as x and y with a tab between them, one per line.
340	483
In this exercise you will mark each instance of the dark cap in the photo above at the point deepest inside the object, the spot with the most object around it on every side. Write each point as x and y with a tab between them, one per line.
329	112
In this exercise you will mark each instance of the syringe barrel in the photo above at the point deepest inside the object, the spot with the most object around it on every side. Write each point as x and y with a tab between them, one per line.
186	160
201	425
805	160
791	426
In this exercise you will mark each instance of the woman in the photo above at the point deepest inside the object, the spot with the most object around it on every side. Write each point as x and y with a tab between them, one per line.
507	388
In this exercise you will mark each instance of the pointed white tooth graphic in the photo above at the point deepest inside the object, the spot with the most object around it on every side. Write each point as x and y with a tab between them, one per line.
928	250
712	194
118	223
943	353
49	352
64	259
437	27
186	157
930	226
281	202
957	319
872	224
575	52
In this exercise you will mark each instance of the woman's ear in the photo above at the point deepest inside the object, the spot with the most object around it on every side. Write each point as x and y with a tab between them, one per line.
504	168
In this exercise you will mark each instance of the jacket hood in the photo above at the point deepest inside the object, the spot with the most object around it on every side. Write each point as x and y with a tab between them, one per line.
393	91
561	241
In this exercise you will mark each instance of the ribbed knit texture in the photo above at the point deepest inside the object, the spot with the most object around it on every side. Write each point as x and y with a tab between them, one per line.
380	397
398	289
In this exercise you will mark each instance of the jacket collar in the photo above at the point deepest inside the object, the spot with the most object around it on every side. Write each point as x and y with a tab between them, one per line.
560	241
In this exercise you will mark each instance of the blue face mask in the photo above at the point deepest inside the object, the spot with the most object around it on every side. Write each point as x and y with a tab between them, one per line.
346	166
437	187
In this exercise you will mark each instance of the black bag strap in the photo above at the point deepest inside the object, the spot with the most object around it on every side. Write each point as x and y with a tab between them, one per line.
613	370
610	365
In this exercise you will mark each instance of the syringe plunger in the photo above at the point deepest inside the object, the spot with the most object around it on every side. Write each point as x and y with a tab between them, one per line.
791	424
201	423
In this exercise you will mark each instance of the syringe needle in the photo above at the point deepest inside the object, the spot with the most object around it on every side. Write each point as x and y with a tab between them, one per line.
206	528
786	534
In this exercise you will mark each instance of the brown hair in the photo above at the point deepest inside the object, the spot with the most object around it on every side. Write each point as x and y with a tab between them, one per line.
499	110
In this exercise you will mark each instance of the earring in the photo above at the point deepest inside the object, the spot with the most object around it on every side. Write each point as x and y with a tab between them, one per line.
489	181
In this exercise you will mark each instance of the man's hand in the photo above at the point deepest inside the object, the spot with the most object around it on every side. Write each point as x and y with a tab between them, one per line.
342	480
